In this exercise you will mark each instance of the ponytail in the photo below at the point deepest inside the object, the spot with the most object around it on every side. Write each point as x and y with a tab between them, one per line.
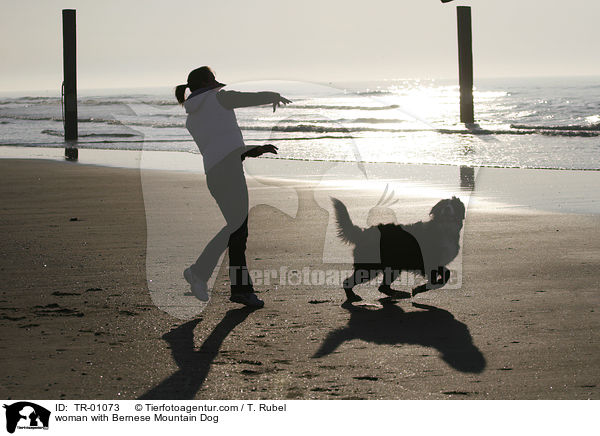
180	93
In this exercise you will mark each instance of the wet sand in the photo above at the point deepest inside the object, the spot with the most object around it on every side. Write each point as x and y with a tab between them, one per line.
78	320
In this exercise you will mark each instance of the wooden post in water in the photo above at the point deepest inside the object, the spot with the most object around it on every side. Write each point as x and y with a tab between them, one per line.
465	64
70	82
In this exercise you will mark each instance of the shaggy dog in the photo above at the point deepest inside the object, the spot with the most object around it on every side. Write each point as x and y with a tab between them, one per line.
423	247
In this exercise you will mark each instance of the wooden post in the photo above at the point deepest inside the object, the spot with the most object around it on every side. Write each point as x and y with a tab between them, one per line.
467	177
70	80
465	64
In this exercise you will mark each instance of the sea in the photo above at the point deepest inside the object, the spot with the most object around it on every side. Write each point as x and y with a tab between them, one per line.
551	123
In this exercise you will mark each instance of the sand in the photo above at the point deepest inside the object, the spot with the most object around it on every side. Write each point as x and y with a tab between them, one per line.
79	321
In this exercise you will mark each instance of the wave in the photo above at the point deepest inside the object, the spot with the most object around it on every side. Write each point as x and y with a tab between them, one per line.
331	129
110	101
591	127
140	140
462	131
138	145
91	135
29	100
56	118
97	120
580	133
181	120
344	120
325	126
350	132
126	100
343	107
373	92
32	118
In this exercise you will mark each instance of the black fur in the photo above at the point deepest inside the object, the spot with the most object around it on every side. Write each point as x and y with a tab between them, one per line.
425	247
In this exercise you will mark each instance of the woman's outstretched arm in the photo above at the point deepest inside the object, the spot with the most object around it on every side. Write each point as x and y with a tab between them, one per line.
235	99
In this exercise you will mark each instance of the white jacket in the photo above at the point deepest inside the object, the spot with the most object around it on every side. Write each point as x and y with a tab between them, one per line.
213	127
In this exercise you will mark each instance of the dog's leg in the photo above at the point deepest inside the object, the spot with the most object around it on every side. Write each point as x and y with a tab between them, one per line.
389	275
360	275
419	289
446	275
351	296
437	279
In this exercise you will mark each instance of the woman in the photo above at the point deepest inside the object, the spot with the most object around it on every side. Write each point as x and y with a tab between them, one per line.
212	123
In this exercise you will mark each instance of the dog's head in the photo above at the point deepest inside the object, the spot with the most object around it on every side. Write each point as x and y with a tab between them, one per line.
450	211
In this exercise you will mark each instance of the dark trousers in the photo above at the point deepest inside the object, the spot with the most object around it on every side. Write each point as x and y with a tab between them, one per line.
227	184
238	269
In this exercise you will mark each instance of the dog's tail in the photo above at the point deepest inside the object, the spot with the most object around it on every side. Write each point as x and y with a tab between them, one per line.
347	231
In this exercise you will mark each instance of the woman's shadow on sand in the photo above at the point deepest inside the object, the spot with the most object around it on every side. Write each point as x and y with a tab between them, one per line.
194	364
431	327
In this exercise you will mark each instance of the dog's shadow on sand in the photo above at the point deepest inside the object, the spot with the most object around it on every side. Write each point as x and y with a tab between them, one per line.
431	327
194	363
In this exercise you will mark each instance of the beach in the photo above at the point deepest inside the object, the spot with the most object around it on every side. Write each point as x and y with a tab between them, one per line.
81	319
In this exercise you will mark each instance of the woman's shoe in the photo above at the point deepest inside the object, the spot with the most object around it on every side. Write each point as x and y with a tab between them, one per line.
198	286
247	298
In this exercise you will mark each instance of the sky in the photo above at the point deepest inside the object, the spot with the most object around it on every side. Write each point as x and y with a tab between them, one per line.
147	43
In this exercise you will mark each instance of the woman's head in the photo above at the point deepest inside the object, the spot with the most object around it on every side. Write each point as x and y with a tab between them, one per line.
199	78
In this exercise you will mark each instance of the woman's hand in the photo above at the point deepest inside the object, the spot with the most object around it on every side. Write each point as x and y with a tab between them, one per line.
279	100
268	148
